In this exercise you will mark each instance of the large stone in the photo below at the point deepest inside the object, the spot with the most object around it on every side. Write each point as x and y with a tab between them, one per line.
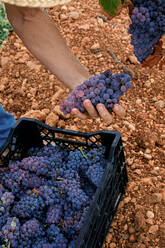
33	66
84	27
52	119
160	104
95	46
36	114
74	15
4	61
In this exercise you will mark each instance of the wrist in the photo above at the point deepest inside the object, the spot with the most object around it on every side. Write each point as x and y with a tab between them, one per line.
77	82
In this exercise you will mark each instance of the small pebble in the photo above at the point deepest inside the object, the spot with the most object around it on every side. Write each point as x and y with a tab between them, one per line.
131	229
160	104
63	17
129	125
138	101
147	156
74	15
150	214
112	245
95	46
153	229
132	238
157	197
84	26
148	84
108	237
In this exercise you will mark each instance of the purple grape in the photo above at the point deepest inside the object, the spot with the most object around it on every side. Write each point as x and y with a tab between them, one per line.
123	88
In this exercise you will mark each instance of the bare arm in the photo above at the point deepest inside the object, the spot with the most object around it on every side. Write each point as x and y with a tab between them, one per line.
45	42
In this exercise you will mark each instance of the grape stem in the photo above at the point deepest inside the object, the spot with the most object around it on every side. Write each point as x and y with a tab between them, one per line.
81	150
126	69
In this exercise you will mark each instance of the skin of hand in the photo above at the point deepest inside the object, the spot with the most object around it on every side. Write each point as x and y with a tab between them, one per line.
100	111
50	49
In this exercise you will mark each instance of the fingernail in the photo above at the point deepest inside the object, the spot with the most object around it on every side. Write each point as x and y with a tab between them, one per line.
86	101
116	106
101	107
74	111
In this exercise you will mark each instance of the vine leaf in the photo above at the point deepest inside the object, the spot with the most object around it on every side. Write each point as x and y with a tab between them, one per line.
156	58
113	8
110	6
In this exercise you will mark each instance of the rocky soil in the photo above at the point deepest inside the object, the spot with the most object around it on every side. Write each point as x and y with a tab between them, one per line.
27	88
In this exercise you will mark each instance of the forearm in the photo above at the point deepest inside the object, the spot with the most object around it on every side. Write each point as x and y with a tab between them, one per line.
45	42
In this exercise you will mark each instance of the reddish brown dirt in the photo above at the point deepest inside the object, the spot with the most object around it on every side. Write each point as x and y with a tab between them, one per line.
27	88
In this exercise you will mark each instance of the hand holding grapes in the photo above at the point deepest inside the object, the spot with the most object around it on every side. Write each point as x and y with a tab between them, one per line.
98	97
99	111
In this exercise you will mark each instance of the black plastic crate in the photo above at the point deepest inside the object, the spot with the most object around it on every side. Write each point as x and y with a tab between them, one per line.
29	133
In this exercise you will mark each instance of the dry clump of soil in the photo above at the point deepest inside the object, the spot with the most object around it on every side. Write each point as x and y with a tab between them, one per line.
27	88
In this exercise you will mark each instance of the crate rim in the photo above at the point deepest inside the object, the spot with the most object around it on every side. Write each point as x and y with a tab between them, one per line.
58	130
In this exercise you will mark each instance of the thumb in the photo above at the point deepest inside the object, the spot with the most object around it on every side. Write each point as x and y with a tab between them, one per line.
119	110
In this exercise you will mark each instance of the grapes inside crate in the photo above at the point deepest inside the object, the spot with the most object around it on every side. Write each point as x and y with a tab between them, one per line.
59	188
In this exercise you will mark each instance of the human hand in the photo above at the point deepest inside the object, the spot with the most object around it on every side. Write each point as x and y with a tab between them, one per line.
99	111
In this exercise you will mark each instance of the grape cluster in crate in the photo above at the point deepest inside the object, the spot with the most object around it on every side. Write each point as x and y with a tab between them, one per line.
44	198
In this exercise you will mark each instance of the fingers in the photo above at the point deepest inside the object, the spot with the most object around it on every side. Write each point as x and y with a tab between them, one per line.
119	110
79	115
90	109
104	114
100	111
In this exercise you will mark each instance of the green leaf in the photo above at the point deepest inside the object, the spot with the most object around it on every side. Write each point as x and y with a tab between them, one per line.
5	26
111	6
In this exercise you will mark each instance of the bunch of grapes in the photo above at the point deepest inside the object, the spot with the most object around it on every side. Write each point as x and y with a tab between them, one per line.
29	206
31	229
45	197
54	214
3	218
11	231
77	159
104	88
95	173
6	201
41	243
77	197
71	219
148	26
50	194
54	234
